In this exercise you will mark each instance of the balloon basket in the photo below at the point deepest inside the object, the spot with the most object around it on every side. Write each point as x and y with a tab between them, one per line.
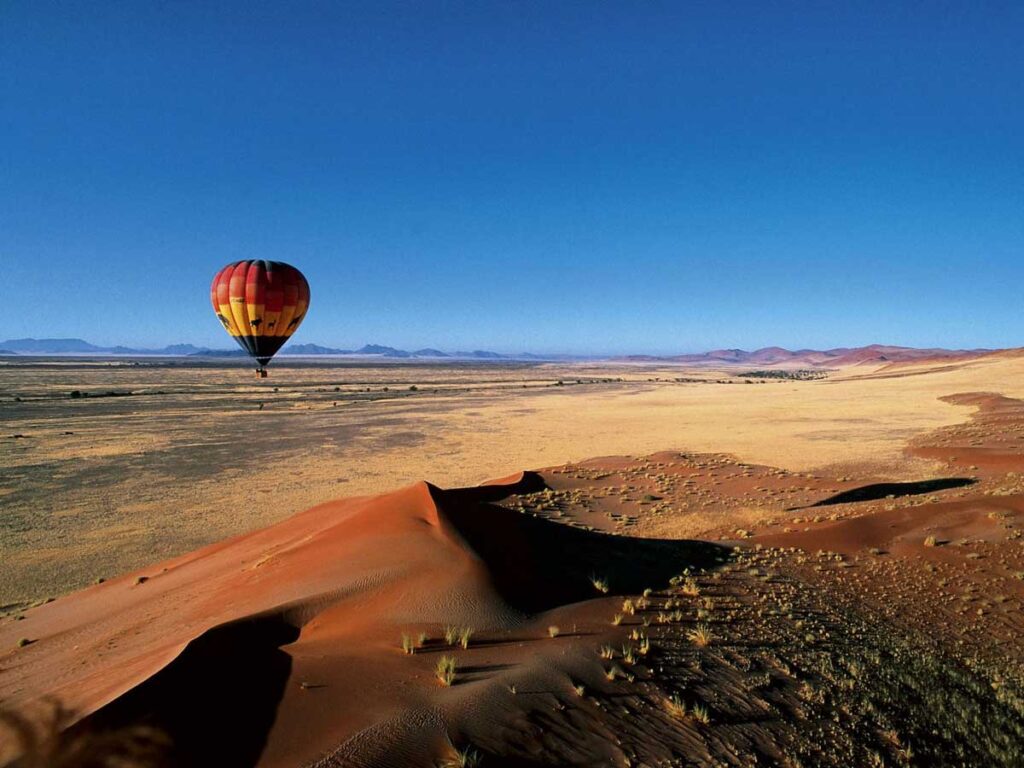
261	373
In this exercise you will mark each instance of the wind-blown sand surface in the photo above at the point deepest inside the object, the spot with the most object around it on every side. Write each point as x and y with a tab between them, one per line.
185	456
831	614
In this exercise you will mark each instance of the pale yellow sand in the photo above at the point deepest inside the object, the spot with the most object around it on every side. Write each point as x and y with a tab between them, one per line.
149	476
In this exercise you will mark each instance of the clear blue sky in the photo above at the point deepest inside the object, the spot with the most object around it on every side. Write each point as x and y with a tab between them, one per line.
552	176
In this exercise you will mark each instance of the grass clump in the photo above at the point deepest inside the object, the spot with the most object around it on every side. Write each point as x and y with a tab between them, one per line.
676	706
412	643
931	541
554	631
446	670
458	636
700	635
600	584
460	758
700	714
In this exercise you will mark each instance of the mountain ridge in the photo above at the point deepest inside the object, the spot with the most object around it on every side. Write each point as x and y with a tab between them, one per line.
765	356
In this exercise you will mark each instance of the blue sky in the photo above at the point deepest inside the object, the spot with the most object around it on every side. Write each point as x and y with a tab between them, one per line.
547	176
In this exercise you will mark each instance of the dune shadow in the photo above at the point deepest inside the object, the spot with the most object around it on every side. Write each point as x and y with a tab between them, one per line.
217	700
536	564
877	491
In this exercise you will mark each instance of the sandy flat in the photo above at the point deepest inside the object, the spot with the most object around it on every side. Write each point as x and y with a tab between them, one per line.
159	460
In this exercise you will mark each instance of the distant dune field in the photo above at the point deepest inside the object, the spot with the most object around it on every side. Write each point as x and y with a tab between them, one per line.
110	467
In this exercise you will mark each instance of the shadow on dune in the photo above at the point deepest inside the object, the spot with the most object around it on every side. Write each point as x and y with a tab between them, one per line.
217	700
882	490
536	564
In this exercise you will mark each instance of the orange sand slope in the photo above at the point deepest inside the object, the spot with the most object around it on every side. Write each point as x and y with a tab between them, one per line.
283	642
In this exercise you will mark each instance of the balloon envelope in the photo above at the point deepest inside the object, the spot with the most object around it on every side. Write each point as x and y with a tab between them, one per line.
260	303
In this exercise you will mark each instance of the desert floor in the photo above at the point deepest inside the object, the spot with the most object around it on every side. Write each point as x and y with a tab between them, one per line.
708	572
157	459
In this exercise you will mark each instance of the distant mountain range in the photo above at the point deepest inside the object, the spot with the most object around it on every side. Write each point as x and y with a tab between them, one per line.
767	356
838	357
82	347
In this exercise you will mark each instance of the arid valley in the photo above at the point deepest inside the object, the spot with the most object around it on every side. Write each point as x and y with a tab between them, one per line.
606	563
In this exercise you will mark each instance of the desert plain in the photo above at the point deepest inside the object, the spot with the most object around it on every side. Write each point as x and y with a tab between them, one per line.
600	563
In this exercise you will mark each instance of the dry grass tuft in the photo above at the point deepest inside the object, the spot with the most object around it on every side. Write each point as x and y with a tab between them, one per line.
676	706
446	670
466	757
700	635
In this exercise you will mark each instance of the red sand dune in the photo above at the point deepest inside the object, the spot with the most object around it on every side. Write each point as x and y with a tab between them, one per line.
282	645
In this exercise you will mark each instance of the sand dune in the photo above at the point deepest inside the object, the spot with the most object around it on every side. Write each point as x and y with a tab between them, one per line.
284	641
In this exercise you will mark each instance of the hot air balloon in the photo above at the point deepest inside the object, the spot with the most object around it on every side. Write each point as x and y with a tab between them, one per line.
260	303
